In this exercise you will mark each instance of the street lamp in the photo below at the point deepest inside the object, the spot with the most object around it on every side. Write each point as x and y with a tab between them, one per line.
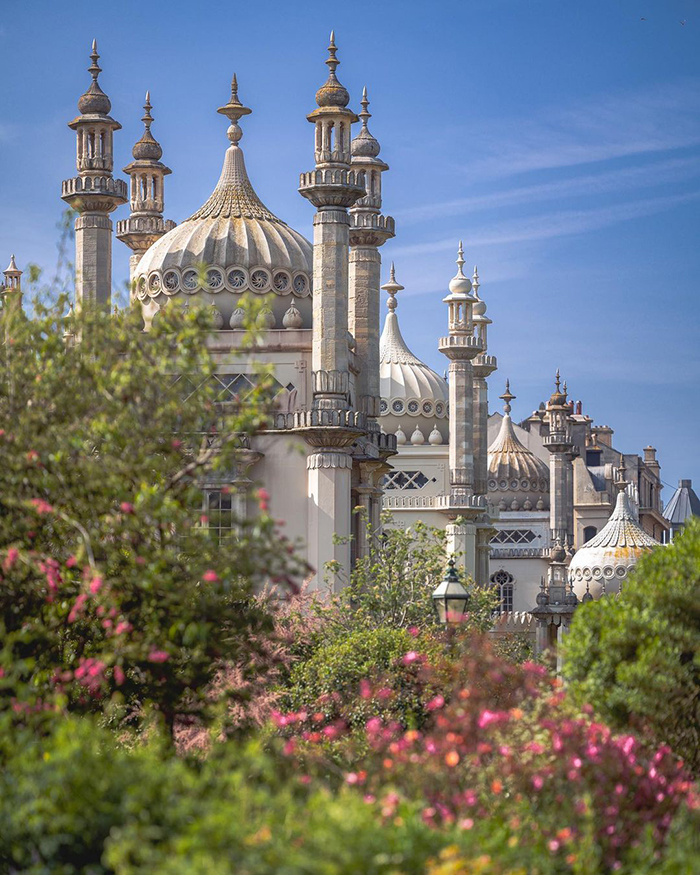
450	598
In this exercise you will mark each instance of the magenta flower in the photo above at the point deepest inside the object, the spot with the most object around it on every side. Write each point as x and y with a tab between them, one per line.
210	576
158	656
126	507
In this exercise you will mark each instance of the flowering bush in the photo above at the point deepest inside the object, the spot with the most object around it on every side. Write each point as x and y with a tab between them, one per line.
496	738
114	593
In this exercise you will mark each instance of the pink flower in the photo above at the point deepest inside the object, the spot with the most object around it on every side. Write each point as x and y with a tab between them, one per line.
210	576
466	823
488	717
553	845
95	585
435	703
71	562
10	559
374	724
537	782
123	626
413	631
77	608
411	657
119	675
365	689
351	778
158	656
41	506
126	507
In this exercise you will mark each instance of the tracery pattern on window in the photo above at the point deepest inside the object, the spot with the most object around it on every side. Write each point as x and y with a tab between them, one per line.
514	536
406	480
219	511
230	387
504	581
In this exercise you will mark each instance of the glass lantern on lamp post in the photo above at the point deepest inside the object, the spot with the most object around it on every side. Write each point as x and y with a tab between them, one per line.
450	598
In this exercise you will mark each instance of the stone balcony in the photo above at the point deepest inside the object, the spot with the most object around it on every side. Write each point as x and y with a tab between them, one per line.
100	194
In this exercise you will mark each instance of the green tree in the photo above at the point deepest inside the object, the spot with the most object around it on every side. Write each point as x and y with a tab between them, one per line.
114	590
636	657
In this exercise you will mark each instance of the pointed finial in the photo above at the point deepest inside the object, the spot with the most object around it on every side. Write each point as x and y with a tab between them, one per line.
621	482
233	110
507	396
564	390
94	69
365	115
392	287
147	118
460	258
332	61
557	380
475	281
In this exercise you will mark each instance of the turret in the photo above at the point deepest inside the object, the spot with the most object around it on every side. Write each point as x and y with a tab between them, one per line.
145	224
332	188
561	446
94	192
11	288
369	230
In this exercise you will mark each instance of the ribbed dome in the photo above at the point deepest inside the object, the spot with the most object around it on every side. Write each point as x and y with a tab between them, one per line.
242	244
606	560
413	395
515	472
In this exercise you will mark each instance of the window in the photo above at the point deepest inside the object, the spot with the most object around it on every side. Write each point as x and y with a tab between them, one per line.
588	533
406	480
504	581
514	536
219	513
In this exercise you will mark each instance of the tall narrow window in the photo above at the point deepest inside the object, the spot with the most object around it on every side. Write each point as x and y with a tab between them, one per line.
588	533
504	581
219	508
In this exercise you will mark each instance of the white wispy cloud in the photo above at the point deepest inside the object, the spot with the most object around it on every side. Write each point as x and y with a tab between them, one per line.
601	128
605	182
556	224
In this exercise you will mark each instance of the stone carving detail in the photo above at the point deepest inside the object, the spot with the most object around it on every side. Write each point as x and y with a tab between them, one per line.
93	220
327	459
215	279
331	382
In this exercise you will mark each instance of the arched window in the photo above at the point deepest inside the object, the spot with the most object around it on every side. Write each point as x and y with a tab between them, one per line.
504	581
588	533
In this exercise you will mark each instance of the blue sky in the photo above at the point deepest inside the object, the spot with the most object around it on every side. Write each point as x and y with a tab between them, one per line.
559	139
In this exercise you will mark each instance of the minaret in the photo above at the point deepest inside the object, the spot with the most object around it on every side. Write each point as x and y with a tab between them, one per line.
332	188
94	192
561	447
145	224
369	230
483	366
461	347
11	289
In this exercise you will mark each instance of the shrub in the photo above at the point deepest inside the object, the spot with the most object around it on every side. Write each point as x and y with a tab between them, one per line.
636	657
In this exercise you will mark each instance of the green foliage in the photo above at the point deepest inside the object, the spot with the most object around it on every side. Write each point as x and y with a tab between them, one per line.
393	585
636	658
114	593
329	682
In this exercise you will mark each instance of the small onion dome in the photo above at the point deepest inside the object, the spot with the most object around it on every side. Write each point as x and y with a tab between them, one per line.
400	436
364	145
94	101
558	398
217	320
413	395
265	318
292	318
514	471
604	562
238	318
332	93
435	437
417	437
147	148
460	284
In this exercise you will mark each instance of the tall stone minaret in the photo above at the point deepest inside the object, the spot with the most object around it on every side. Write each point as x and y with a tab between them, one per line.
332	188
461	347
562	450
145	224
94	192
334	422
483	366
369	230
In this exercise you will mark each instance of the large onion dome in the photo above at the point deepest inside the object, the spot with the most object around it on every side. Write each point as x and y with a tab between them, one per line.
517	479
414	397
603	563
231	244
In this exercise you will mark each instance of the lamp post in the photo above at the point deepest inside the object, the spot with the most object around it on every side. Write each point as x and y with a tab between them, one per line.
450	598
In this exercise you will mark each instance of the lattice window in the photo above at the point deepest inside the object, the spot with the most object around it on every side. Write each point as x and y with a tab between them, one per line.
219	510
406	480
514	536
504	581
229	387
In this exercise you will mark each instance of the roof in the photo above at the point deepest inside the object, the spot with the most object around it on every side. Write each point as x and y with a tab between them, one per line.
683	504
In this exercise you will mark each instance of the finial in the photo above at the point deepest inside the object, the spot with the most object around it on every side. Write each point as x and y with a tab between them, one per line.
564	390
332	61
233	110
507	396
557	380
94	69
392	287
147	117
365	115
621	482
460	259
475	281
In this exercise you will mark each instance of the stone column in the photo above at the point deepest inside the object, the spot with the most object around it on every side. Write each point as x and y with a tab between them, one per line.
93	259
558	496
481	415
461	539
364	281
329	482
484	532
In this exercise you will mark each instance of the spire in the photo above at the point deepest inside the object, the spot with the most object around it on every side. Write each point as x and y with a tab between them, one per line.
234	110
147	148
364	145
392	287
460	284
94	69
332	94
475	281
507	396
94	101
